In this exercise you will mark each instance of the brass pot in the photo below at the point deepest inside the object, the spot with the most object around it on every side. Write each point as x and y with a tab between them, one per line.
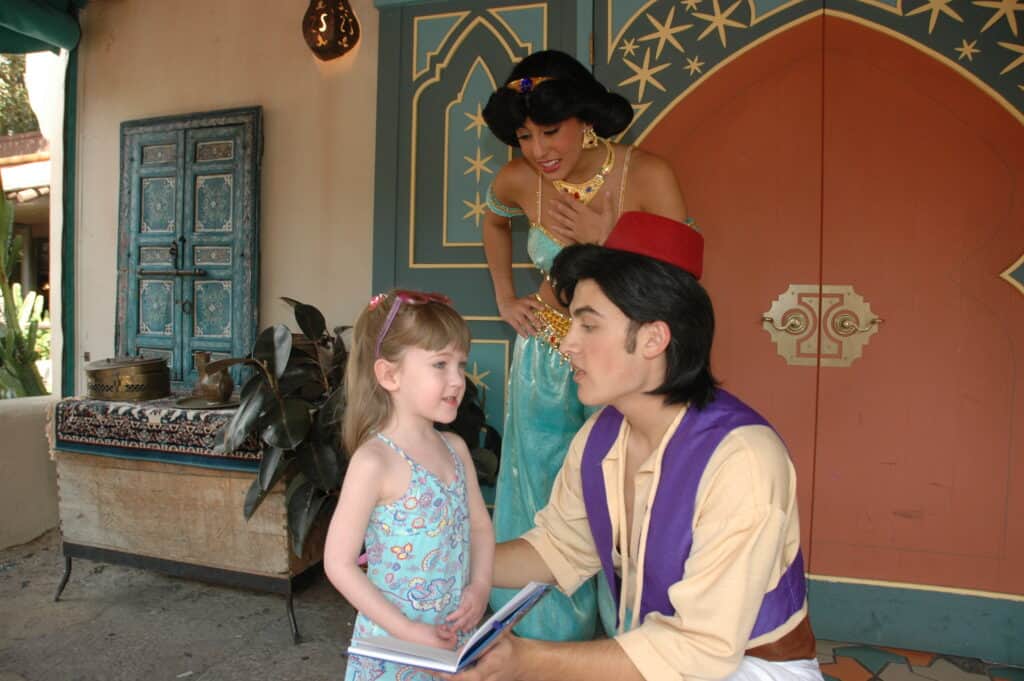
128	379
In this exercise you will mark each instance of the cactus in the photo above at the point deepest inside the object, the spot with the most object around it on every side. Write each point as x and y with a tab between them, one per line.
19	376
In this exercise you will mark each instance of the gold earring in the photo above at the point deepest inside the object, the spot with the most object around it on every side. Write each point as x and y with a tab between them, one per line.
589	138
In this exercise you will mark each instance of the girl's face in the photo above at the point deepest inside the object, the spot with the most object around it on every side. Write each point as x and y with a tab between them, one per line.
429	384
554	150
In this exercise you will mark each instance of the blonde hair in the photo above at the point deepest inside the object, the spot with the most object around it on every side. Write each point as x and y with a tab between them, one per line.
429	326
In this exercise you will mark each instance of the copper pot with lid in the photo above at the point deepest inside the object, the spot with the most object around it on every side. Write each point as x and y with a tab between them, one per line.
128	379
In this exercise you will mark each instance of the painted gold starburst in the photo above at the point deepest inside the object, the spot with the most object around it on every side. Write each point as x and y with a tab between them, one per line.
644	74
478	165
478	377
628	47
476	209
690	5
967	50
719	20
1019	49
665	32
1003	8
694	65
935	7
476	121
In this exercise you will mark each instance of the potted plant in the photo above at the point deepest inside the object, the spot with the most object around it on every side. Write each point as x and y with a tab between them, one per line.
294	401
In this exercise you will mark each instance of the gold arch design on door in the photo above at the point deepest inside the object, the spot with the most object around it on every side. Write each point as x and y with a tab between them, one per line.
480	64
496	29
448	21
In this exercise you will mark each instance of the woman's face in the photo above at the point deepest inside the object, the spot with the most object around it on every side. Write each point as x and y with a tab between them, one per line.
554	150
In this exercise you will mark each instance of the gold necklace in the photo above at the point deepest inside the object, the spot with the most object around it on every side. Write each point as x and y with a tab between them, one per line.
584	192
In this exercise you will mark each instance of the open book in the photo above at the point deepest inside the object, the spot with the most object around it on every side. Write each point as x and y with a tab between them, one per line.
392	649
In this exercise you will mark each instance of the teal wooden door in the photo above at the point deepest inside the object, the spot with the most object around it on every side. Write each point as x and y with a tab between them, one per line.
188	256
439	63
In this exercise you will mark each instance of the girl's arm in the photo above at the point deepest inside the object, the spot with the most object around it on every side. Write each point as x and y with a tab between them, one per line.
366	477
497	236
474	597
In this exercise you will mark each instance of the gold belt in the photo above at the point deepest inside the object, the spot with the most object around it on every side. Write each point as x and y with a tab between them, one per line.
554	325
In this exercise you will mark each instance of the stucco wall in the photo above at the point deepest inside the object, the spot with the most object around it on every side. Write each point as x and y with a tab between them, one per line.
28	486
140	58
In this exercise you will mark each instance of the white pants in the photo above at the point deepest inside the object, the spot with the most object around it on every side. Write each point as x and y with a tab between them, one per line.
756	669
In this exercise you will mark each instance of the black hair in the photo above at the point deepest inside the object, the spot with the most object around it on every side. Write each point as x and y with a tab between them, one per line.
572	92
649	290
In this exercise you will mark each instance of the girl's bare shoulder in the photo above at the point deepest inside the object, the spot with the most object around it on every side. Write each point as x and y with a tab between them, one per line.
373	457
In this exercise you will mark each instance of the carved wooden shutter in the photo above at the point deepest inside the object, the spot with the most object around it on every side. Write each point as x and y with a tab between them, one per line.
188	256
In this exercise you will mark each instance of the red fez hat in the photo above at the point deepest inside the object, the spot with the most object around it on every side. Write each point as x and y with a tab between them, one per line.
664	239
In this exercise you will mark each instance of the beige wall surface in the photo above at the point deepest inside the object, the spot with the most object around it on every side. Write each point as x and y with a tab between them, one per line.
140	58
28	487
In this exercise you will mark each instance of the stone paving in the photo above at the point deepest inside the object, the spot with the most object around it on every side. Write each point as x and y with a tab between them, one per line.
117	623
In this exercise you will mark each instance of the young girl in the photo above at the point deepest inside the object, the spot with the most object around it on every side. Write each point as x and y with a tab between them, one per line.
410	492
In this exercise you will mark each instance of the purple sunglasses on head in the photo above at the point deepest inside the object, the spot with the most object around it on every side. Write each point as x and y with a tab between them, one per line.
403	296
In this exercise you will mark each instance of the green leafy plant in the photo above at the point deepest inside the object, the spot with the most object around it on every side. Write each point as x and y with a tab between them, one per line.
294	402
20	319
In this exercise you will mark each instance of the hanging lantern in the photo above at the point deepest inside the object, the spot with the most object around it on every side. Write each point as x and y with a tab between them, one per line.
330	28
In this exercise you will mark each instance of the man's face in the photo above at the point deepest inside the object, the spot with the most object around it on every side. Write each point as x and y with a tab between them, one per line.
604	370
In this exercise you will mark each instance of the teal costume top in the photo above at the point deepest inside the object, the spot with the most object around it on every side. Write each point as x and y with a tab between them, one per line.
417	556
542	415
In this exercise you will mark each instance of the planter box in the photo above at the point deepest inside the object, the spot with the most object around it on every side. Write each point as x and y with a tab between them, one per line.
177	513
142	484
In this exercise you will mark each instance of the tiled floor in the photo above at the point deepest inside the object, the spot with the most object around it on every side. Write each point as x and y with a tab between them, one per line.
855	662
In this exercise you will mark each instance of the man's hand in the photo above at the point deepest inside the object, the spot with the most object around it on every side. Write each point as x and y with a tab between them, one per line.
498	664
572	222
471	608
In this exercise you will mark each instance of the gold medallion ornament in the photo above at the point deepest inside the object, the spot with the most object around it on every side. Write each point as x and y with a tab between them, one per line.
584	192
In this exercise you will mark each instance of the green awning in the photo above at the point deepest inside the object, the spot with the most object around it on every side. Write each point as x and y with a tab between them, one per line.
37	25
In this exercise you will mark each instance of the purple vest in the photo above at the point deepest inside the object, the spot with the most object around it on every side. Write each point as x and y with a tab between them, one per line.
670	532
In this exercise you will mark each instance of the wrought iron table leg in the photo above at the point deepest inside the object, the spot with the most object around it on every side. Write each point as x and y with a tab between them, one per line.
64	579
291	618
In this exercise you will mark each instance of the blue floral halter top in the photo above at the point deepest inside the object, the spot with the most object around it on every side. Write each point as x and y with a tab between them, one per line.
418	557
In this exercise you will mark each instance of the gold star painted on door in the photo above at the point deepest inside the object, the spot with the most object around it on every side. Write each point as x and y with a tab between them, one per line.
934	7
1019	49
644	74
665	33
719	20
694	65
967	50
1004	8
476	209
628	47
478	377
690	5
478	165
476	121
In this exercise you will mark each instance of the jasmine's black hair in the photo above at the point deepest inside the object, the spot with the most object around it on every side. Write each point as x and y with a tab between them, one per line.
572	92
649	290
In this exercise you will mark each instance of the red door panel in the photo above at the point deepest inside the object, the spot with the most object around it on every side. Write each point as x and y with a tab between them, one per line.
923	208
868	163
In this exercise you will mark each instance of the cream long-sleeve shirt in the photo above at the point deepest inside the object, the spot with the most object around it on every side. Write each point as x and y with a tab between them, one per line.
745	534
